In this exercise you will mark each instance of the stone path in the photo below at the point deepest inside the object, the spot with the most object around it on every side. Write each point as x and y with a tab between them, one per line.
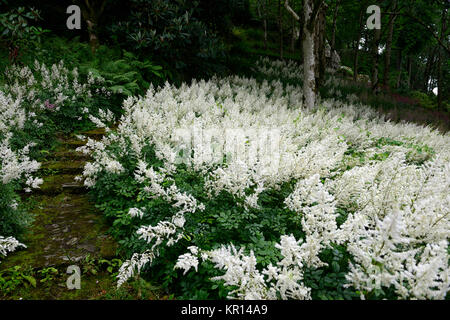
67	226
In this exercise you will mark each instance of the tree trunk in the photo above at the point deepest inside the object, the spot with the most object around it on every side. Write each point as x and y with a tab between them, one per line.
409	66
263	16
92	11
427	72
293	38
309	60
440	83
376	56
356	49
265	24
333	32
319	45
280	27
387	57
400	63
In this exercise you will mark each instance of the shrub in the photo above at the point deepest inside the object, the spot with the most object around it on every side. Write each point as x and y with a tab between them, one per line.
170	30
18	33
57	96
424	100
16	170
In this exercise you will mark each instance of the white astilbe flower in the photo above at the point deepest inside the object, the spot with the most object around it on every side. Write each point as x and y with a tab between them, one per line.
9	244
60	86
240	271
15	165
135	212
133	266
311	200
282	281
387	182
188	260
386	236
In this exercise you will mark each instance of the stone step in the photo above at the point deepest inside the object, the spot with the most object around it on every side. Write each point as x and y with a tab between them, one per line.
68	155
62	167
65	230
73	143
96	134
57	184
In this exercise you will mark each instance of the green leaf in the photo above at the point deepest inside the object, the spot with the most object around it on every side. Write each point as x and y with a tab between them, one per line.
30	279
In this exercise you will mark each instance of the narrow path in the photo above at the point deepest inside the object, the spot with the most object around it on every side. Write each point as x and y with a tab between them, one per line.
67	226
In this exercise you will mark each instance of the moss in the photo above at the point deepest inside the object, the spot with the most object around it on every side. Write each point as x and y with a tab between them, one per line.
56	184
101	286
67	229
68	167
92	287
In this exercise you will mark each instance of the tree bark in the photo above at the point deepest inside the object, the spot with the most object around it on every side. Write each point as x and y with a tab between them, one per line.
333	33
311	9
280	27
409	66
92	11
265	24
319	45
262	14
356	49
387	57
293	38
427	72
375	56
400	63
439	71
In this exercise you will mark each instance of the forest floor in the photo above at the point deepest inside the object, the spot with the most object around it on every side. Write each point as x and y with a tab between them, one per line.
67	230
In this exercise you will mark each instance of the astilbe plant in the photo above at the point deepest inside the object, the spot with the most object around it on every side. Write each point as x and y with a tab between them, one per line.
348	179
16	167
58	94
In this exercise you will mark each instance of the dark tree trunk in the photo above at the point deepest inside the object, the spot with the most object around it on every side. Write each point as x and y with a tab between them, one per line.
409	64
92	11
262	14
293	38
356	48
375	57
387	57
280	27
439	71
265	24
427	72
400	65
333	33
320	45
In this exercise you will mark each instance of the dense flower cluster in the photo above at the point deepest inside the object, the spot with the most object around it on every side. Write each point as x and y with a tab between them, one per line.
391	180
15	165
59	83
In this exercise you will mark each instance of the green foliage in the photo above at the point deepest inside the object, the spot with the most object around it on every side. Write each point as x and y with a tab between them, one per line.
170	32
124	73
14	219
47	274
127	75
14	278
18	33
425	100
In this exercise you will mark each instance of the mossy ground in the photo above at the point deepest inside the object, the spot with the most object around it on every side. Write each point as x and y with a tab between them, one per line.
67	230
